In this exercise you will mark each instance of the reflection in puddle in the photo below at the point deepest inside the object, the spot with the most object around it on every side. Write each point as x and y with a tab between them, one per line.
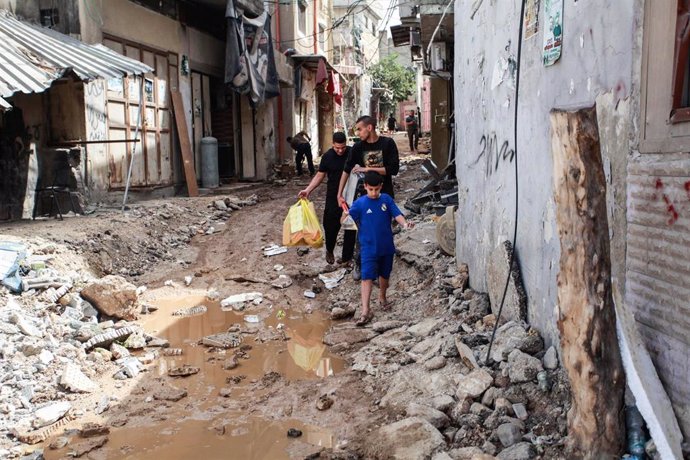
291	346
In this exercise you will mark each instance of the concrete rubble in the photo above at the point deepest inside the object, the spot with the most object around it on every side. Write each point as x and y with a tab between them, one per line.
70	332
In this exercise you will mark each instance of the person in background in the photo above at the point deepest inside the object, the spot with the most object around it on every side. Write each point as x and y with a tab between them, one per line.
391	124
300	143
373	214
412	131
331	167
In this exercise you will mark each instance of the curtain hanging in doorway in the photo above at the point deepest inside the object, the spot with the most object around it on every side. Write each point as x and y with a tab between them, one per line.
249	61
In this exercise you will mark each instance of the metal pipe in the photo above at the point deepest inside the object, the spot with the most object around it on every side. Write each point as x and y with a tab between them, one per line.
134	146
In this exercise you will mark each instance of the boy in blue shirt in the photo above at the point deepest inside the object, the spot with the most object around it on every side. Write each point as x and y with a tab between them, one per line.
373	214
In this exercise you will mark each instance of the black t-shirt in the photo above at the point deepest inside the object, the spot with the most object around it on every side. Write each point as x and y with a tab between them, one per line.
411	122
333	164
382	153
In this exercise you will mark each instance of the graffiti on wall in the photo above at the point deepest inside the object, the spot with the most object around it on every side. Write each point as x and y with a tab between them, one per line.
670	206
492	155
95	110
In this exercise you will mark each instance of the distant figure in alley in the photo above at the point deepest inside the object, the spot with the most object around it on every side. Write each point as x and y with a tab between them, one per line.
300	143
412	131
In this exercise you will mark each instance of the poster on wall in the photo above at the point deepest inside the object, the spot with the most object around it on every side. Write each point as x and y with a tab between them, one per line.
553	31
531	20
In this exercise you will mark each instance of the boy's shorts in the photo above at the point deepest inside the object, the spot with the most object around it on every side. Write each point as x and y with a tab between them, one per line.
375	266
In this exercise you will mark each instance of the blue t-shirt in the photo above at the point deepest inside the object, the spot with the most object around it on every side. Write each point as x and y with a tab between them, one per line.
373	218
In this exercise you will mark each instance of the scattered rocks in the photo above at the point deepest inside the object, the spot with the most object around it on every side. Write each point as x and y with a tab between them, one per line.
73	379
425	328
113	296
349	336
78	449
90	430
324	403
183	371
498	268
169	393
550	359
509	434
58	443
465	453
410	438
466	354
230	363
431	415
51	413
520	411
520	451
294	433
343	312
523	367
435	363
474	384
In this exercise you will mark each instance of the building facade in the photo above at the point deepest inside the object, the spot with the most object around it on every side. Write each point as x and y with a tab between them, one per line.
577	55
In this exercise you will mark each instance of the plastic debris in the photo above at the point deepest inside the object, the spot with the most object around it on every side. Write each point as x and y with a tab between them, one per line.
309	294
251	318
274	250
331	280
188	280
241	298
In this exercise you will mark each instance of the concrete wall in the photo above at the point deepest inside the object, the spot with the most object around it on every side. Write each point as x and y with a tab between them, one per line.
595	68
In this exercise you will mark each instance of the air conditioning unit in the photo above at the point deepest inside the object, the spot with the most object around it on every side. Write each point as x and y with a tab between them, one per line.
438	56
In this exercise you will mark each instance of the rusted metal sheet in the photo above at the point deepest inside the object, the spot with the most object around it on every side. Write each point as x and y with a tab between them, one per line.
32	57
658	268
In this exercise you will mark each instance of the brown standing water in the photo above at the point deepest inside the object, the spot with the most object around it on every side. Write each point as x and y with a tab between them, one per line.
203	425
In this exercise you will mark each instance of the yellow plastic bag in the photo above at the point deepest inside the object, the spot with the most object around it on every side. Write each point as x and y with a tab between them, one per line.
301	226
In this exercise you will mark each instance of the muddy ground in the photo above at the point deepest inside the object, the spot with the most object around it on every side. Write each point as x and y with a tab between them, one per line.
297	368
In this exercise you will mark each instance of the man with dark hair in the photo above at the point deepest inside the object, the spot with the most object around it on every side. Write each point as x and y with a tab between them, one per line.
371	153
331	166
300	143
412	131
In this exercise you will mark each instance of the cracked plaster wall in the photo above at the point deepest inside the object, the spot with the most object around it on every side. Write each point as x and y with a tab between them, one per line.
595	68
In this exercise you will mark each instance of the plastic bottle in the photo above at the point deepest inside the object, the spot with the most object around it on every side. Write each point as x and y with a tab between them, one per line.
635	428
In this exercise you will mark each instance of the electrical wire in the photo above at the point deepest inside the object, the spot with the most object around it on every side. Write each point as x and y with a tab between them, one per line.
438	26
515	134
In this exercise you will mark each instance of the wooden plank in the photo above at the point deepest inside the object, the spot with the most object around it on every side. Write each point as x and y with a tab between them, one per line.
587	318
185	144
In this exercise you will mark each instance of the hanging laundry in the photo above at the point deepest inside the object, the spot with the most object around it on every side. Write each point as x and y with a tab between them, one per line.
321	72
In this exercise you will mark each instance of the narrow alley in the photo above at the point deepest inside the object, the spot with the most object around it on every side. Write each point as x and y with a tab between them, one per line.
344	229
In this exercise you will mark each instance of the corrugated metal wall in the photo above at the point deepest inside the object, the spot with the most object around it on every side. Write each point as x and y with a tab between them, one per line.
658	268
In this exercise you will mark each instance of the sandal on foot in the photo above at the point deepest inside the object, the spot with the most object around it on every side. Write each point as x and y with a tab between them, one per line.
386	306
364	320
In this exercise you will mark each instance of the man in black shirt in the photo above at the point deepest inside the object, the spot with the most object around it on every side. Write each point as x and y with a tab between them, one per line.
331	166
300	144
372	153
412	131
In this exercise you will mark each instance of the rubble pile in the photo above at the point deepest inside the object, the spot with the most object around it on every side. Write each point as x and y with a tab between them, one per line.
165	227
440	397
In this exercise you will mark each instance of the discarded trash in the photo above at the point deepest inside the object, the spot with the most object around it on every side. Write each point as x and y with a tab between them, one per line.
294	433
282	282
543	381
309	294
280	314
222	340
188	280
169	283
183	371
278	267
255	297
274	250
10	255
331	280
251	318
191	311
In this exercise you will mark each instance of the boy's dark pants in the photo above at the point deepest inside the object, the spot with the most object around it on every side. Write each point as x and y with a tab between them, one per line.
413	136
331	227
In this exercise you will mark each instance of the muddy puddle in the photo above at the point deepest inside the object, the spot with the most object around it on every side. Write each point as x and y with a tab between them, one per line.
203	424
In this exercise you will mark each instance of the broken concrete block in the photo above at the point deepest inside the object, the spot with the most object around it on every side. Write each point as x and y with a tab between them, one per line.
509	434
119	351
409	438
113	296
431	415
435	363
425	328
220	205
520	411
282	282
342	312
523	367
169	393
520	451
466	354
515	306
47	415
136	341
443	403
73	379
90	429
550	359
513	336
474	384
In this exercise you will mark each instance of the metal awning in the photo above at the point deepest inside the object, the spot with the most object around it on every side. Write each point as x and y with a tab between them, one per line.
33	57
401	35
311	61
